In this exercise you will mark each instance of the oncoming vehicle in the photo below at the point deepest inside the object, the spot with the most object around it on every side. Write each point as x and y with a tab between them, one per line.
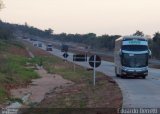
131	56
49	47
35	44
64	48
39	44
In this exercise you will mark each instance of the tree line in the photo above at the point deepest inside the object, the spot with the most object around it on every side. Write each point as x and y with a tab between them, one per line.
6	32
154	45
91	39
107	41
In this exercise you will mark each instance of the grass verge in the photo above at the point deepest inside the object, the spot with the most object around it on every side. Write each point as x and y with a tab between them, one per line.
14	71
106	93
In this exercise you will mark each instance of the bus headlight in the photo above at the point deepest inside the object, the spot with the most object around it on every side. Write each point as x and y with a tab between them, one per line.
145	73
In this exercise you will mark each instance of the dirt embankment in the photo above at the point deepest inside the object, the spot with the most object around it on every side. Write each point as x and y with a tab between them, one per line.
18	51
40	87
83	96
9	69
105	94
59	92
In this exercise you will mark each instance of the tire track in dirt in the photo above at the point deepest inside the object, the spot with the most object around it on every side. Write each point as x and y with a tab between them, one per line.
40	87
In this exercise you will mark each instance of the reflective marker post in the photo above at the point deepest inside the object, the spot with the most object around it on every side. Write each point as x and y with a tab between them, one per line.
79	58
65	55
74	64
74	67
94	72
94	62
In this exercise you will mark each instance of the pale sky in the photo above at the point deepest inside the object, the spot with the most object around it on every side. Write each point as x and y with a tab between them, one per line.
122	17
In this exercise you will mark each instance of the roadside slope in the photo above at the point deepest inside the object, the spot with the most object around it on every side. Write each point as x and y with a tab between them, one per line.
106	93
14	71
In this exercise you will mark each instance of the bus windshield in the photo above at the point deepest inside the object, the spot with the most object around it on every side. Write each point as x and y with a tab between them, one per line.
49	45
134	47
134	60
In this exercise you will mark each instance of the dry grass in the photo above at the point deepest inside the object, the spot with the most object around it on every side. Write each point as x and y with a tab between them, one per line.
106	93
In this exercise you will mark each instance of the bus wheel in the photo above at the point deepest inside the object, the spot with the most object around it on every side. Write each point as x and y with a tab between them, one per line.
117	75
144	77
122	76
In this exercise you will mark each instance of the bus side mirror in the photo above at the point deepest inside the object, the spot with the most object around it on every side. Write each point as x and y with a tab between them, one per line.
149	53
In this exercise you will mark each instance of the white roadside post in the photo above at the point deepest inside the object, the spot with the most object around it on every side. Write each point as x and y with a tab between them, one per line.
65	59
74	67
65	55
74	63
94	71
94	62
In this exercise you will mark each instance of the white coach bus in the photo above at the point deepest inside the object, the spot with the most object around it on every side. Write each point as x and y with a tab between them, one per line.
131	56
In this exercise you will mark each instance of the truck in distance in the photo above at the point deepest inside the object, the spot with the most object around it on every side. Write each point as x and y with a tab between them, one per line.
35	43
49	47
64	48
131	56
39	44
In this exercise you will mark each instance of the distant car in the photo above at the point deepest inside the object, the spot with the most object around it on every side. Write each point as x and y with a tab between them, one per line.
64	48
32	39
35	45
39	44
24	37
49	47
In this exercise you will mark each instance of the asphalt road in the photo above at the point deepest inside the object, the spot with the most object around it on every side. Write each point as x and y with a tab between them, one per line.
137	93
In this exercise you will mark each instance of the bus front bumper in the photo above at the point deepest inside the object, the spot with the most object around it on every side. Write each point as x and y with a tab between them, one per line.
134	73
